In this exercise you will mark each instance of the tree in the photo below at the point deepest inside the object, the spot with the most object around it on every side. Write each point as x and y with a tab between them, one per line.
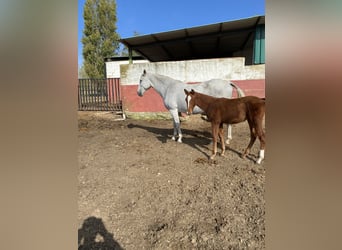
99	39
82	73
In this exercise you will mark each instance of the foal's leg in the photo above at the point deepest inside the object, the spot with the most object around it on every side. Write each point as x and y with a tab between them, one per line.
261	136
221	134
229	133
214	128
252	140
176	125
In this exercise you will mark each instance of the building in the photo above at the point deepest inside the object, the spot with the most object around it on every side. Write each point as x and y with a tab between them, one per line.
233	50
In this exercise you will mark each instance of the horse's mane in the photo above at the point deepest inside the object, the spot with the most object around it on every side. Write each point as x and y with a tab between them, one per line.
167	78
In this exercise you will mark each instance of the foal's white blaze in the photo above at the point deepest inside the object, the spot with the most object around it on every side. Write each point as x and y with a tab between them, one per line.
261	156
188	99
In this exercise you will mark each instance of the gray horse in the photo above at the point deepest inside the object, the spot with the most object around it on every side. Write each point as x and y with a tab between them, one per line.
172	92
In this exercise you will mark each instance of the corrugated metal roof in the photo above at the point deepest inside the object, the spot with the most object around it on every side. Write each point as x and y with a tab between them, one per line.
209	41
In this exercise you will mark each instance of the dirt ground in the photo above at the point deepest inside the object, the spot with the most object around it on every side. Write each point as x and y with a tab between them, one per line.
138	189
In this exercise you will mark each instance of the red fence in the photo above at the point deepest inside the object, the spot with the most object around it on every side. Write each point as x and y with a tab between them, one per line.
99	95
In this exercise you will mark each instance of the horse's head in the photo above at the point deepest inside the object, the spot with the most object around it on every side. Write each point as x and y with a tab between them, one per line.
144	84
190	101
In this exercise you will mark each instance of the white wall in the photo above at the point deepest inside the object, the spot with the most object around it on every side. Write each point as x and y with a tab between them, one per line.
113	67
195	70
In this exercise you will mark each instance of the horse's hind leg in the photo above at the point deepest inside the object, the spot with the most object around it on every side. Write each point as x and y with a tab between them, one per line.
261	136
229	133
251	141
176	125
214	128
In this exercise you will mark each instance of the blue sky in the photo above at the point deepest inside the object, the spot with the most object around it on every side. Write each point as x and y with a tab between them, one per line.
153	16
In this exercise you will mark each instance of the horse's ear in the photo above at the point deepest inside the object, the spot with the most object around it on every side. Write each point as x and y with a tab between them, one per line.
144	73
186	92
192	91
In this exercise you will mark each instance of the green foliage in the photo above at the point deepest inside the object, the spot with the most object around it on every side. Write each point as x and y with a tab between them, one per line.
99	39
81	73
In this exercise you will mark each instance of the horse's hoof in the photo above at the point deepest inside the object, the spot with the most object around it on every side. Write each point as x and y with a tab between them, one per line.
204	117
227	141
173	138
258	161
179	141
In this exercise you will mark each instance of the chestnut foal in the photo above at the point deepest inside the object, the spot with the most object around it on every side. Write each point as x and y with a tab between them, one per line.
224	110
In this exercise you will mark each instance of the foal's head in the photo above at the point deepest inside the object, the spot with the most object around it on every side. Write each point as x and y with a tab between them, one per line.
190	101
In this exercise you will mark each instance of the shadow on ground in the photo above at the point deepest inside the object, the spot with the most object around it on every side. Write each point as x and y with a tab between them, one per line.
200	140
93	235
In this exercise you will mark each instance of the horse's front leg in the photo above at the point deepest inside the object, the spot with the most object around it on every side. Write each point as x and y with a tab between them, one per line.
176	125
229	133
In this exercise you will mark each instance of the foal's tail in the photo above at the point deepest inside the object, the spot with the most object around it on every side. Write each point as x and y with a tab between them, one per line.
239	91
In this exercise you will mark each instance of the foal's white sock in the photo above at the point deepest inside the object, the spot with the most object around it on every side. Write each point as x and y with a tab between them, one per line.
261	156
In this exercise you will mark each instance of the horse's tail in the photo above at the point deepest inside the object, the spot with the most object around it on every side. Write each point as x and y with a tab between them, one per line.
239	91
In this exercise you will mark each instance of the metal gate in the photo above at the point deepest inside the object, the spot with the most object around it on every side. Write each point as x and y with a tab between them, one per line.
99	95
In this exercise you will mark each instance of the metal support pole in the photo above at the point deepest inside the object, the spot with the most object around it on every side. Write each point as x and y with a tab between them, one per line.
130	55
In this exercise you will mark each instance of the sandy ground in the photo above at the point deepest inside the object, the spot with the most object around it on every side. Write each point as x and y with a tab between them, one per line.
138	189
